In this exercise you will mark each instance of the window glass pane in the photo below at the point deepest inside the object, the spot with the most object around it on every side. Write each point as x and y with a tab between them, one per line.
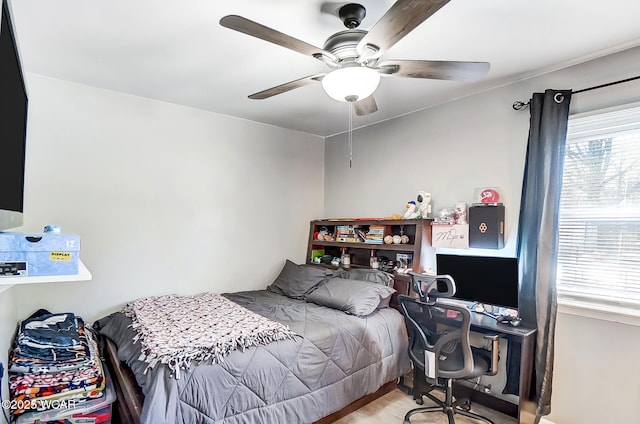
599	228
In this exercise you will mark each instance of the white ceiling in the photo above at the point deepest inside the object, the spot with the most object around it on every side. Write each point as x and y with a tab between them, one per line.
176	51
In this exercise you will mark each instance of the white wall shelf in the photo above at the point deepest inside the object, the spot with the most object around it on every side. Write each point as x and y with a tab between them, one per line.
83	275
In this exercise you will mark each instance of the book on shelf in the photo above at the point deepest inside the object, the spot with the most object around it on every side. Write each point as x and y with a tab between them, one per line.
375	234
347	239
373	241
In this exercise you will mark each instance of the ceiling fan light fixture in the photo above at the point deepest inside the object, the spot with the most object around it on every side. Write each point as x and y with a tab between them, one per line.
351	83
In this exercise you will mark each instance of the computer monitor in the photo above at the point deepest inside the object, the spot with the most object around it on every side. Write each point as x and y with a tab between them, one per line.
482	279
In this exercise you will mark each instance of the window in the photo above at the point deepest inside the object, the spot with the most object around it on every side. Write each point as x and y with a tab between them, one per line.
599	228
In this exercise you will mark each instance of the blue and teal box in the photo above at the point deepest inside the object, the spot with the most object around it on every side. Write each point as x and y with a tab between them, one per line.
39	254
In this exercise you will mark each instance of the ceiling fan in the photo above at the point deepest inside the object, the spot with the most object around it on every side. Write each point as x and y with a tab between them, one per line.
354	55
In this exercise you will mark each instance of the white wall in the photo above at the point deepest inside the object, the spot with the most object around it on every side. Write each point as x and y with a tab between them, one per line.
447	151
8	322
480	140
166	199
596	378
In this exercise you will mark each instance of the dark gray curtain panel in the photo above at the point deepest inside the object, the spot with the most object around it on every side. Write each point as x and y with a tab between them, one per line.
537	246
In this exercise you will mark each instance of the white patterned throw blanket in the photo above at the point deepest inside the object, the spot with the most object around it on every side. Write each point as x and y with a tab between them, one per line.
175	330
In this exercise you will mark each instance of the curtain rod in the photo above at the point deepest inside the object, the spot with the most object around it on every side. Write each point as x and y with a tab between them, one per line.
517	105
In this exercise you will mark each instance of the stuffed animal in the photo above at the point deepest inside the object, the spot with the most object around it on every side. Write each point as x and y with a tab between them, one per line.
411	212
424	209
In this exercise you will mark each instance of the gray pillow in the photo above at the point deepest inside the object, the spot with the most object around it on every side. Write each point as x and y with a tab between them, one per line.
364	274
354	297
296	280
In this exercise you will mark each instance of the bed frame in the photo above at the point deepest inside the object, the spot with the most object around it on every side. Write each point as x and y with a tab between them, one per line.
128	405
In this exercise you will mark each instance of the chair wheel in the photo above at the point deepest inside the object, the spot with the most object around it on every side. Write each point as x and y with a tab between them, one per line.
406	422
420	401
466	406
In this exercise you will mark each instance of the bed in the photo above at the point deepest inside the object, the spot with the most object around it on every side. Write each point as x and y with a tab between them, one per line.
340	358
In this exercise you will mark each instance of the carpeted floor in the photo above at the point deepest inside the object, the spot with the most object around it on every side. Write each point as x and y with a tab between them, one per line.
391	408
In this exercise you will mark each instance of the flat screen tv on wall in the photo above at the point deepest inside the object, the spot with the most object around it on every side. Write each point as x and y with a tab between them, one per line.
13	126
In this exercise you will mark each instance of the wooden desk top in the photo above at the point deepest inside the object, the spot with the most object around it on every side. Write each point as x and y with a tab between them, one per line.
485	324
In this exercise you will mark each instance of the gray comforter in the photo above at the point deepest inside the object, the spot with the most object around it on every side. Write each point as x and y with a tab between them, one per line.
338	359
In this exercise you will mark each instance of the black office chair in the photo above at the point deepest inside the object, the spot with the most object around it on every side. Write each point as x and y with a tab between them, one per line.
439	345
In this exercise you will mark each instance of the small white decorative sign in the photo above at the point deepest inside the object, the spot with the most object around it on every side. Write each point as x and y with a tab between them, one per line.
450	235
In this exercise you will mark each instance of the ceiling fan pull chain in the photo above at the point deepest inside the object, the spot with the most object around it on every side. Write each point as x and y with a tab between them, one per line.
350	134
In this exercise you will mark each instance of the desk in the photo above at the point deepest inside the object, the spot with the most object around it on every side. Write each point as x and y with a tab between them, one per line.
522	338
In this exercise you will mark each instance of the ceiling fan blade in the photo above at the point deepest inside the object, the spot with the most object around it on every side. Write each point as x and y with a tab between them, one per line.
365	106
399	20
244	25
435	69
287	86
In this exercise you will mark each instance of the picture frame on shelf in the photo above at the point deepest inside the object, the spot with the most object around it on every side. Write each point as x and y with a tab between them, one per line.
404	262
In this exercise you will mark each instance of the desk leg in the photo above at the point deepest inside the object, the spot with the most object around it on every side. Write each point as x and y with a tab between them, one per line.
526	408
527	412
